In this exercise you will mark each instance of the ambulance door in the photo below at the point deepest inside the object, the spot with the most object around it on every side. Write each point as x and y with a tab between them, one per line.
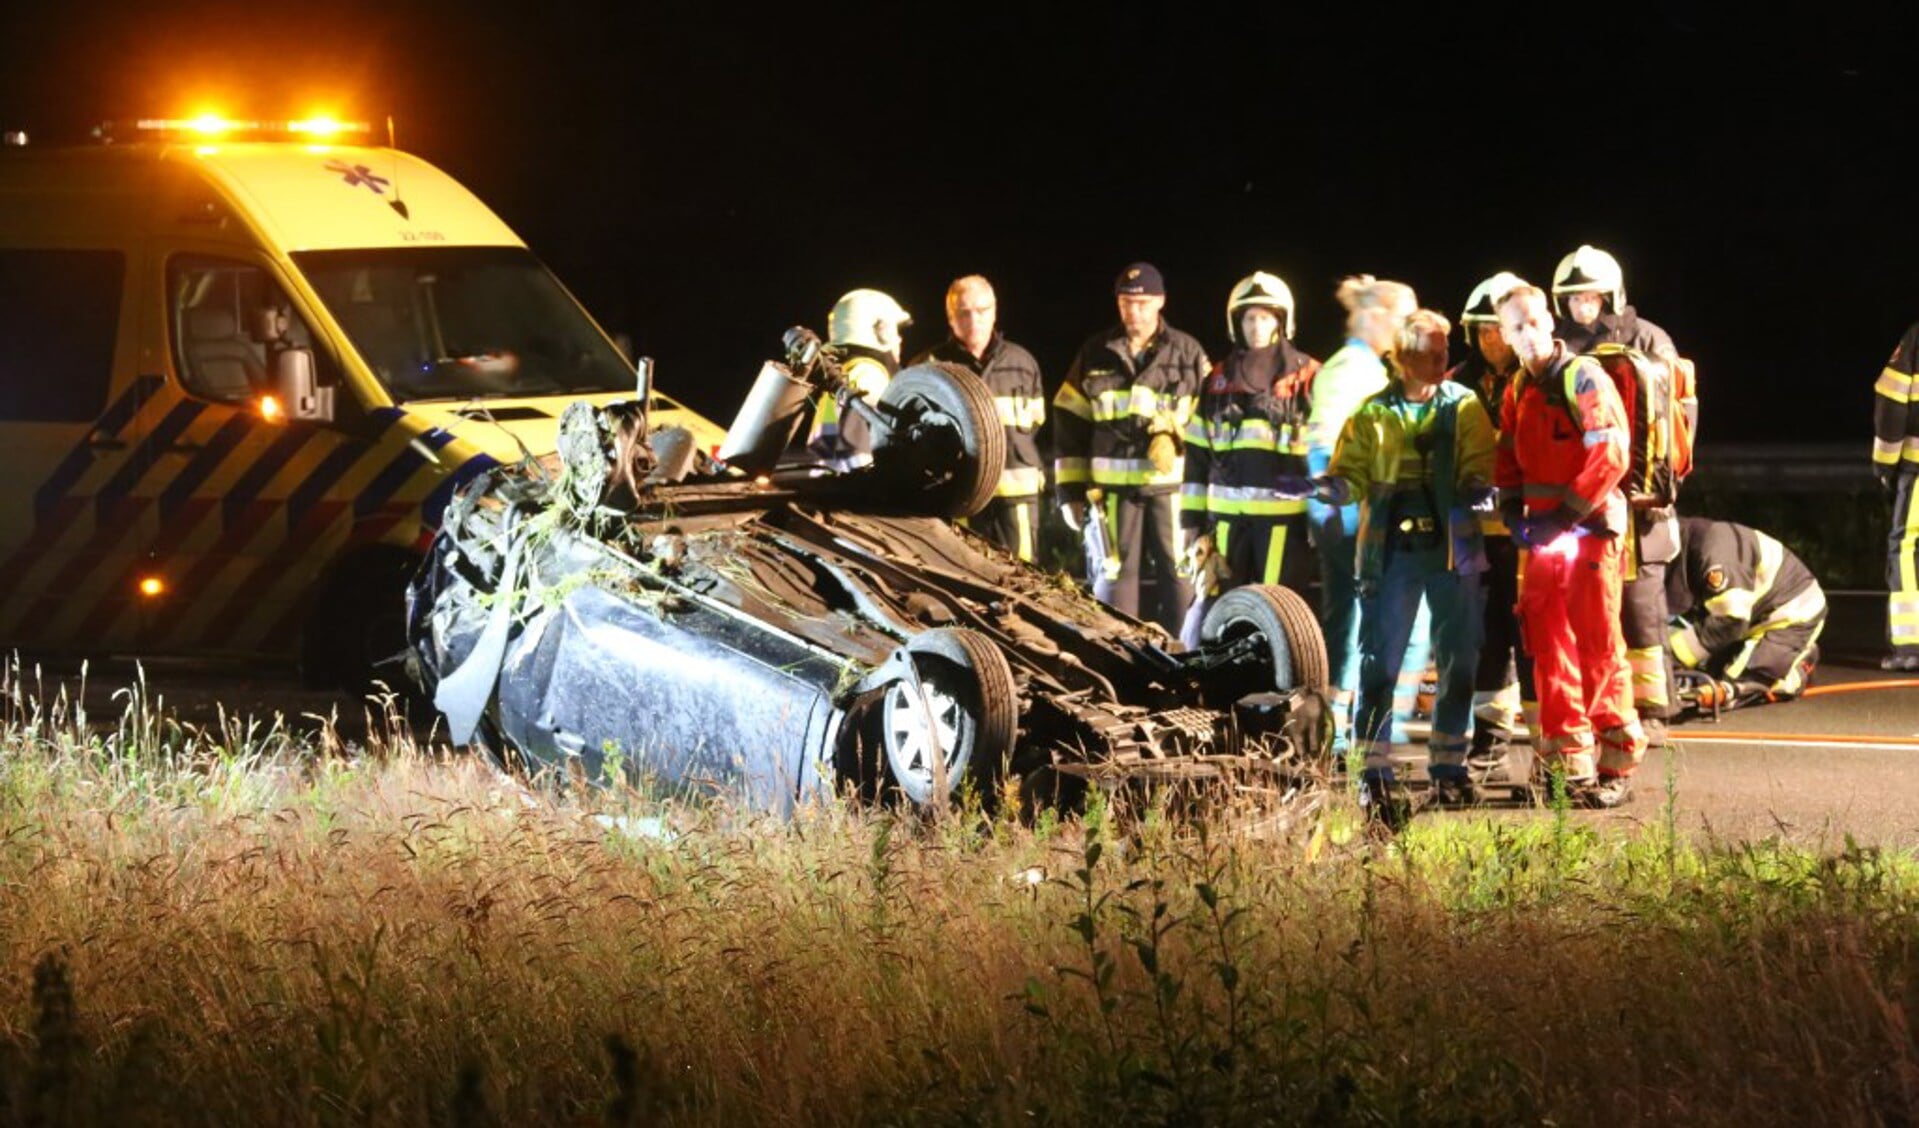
248	500
72	433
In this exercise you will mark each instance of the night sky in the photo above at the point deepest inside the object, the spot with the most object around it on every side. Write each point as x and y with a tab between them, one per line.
703	175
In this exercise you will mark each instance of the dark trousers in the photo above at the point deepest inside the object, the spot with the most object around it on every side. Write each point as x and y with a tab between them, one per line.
1143	526
1012	523
1501	656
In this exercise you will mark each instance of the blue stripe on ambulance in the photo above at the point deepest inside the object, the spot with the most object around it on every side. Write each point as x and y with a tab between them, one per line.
74	466
140	460
237	427
262	471
330	470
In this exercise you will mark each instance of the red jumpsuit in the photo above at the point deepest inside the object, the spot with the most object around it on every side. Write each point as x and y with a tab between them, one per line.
1563	444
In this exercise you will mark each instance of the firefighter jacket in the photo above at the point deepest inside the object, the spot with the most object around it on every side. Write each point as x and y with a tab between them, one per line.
1412	467
1623	328
1248	428
840	438
1489	385
1895	422
1113	404
1013	376
1730	584
1562	443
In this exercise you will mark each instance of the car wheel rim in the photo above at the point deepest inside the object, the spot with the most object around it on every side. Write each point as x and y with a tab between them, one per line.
918	731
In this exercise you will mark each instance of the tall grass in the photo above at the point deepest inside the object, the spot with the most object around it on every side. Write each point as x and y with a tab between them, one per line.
240	925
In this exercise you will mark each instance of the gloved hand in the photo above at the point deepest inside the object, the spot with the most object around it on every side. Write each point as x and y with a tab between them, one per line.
1075	514
1479	499
1295	486
1162	450
1888	477
1542	529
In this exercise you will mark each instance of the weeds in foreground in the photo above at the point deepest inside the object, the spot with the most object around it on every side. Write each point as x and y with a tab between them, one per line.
235	925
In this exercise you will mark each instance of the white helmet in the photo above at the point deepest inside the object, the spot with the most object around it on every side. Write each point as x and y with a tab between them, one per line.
1259	290
857	315
1589	270
1482	305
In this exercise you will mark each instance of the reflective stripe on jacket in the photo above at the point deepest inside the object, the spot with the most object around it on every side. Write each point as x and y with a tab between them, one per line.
1239	441
1110	407
1895	425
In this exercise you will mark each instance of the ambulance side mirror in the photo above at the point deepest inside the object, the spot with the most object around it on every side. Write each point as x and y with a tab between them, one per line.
296	384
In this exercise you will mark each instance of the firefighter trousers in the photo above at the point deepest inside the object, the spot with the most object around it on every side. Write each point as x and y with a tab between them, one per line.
1902	566
1502	656
1145	528
1262	549
1388	619
1569	616
1012	523
1643	622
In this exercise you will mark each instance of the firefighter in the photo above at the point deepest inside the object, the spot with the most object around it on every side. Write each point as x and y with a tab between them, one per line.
1589	291
1011	519
863	331
1504	678
1374	309
1248	428
1895	462
1747	614
1589	295
1118	421
1417	458
1562	454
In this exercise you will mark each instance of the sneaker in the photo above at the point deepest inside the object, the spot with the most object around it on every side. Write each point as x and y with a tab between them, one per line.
1899	660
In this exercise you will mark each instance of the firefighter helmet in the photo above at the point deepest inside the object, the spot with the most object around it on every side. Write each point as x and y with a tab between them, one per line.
1589	270
856	317
1482	303
1259	290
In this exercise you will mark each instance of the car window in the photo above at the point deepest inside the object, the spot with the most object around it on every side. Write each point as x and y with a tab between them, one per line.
58	326
216	308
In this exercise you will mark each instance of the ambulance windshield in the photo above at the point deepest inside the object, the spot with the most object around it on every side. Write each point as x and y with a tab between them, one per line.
464	323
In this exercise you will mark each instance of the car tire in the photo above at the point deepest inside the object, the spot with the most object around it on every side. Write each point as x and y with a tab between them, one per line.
1282	618
957	477
974	722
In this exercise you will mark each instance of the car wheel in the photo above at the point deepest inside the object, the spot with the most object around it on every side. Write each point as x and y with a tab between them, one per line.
961	720
947	440
1294	643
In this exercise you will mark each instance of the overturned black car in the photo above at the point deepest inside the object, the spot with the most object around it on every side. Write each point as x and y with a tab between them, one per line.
737	622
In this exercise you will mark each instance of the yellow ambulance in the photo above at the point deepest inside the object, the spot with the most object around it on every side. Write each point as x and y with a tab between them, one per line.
243	366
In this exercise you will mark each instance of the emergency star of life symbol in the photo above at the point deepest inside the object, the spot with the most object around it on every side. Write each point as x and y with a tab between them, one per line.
356	175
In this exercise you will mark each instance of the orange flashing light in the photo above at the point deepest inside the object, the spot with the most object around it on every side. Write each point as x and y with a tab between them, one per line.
152	587
271	411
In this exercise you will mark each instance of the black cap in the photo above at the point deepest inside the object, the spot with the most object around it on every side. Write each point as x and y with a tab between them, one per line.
1140	278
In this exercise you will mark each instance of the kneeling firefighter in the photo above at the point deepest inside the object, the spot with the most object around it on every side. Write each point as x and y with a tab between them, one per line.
863	330
1746	615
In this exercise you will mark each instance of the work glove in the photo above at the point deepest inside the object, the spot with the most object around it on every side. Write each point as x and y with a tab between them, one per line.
1888	476
1162	450
1075	514
1542	529
1296	486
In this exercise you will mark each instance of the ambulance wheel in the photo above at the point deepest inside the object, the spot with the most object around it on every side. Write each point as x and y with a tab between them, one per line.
1295	650
356	634
947	443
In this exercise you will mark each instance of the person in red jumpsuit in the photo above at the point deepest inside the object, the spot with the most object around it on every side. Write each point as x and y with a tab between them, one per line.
1562	453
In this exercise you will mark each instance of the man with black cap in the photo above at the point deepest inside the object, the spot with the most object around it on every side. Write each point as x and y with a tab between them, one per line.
1118	421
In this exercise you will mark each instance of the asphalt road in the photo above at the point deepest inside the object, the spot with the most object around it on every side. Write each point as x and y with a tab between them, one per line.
1844	761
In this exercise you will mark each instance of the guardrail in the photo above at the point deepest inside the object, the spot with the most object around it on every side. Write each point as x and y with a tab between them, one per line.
1783	467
